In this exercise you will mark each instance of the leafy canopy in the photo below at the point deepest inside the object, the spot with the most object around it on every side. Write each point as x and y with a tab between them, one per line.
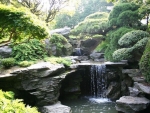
19	25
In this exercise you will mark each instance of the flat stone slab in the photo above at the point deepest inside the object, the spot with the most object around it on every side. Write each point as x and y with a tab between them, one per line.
56	108
142	87
129	104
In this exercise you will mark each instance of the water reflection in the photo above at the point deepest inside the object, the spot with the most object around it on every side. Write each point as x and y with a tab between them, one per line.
91	105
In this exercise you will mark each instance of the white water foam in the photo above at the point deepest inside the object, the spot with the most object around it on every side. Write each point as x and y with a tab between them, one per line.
99	100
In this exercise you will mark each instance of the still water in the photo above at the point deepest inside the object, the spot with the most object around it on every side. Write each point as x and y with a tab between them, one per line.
91	105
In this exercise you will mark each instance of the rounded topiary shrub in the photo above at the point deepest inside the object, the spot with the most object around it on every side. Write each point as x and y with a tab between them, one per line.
8	62
122	54
145	62
140	45
131	38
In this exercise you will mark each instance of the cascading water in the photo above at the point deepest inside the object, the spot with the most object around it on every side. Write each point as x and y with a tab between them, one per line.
78	52
98	81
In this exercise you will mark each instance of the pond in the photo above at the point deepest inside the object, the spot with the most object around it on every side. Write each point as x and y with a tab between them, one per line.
91	105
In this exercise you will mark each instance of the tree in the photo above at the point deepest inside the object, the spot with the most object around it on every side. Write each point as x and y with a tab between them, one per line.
125	14
49	8
85	8
19	25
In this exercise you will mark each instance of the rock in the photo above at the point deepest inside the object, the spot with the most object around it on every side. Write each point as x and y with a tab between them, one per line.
129	104
68	49
113	91
56	108
142	87
62	31
138	79
132	72
96	55
134	91
5	51
89	45
41	80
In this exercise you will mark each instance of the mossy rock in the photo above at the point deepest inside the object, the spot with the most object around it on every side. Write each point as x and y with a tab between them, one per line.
63	47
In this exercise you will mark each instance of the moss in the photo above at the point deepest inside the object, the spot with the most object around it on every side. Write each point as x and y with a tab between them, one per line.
61	44
25	63
58	60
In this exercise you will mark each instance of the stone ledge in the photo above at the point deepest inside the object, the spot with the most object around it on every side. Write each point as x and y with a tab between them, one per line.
129	104
56	108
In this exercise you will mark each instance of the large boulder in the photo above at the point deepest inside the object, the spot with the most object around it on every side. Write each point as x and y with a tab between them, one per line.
56	108
41	81
5	51
62	31
129	104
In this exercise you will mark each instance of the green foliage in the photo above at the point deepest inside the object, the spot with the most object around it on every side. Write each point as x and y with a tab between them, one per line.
9	105
8	62
125	14
145	62
113	37
97	15
92	24
122	54
102	46
58	60
140	45
61	42
32	50
25	63
18	24
130	38
84	9
132	52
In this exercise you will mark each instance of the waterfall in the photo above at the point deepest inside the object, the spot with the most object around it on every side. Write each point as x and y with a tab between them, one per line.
98	81
78	52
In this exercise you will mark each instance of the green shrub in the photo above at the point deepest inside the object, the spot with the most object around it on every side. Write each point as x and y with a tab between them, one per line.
92	24
101	47
61	44
125	14
140	45
32	50
98	15
8	62
25	63
19	24
122	54
113	38
145	62
9	105
130	38
135	51
58	60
